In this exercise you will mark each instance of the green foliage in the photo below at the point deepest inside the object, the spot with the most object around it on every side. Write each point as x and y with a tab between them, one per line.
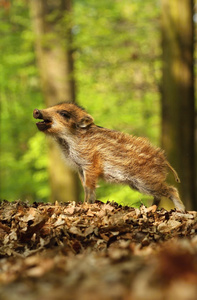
117	70
20	93
122	195
117	64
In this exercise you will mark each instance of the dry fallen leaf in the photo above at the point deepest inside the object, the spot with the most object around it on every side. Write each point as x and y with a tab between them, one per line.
168	226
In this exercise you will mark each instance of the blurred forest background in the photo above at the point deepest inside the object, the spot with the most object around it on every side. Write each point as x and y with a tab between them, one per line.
130	63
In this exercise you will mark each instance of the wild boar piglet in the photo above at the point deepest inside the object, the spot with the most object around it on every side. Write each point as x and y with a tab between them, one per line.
96	152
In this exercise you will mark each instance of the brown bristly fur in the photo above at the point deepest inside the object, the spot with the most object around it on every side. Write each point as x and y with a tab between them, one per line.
98	152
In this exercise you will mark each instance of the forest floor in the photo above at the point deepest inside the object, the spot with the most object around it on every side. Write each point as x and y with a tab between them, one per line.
96	251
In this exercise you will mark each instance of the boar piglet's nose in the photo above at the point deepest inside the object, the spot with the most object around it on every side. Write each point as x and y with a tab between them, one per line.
37	114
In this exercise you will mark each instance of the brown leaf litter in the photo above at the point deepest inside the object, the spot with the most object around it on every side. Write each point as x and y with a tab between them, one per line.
96	251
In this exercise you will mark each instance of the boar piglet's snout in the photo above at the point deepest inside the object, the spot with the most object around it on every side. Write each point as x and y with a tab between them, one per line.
46	123
37	114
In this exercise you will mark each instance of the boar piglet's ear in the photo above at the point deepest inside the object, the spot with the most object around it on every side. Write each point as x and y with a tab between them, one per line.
85	121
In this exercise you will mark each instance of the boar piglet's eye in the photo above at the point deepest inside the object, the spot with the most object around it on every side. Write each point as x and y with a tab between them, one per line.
65	114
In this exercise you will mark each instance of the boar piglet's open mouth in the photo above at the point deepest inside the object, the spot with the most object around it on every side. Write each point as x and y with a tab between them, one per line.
42	125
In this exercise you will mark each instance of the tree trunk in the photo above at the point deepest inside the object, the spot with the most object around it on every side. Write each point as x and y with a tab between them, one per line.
51	21
178	108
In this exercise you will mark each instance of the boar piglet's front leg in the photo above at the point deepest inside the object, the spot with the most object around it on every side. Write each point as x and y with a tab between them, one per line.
88	180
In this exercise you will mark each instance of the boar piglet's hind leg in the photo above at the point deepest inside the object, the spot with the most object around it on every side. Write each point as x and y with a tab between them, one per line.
171	193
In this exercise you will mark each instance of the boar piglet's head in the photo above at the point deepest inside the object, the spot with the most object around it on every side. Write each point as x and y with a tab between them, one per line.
64	118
